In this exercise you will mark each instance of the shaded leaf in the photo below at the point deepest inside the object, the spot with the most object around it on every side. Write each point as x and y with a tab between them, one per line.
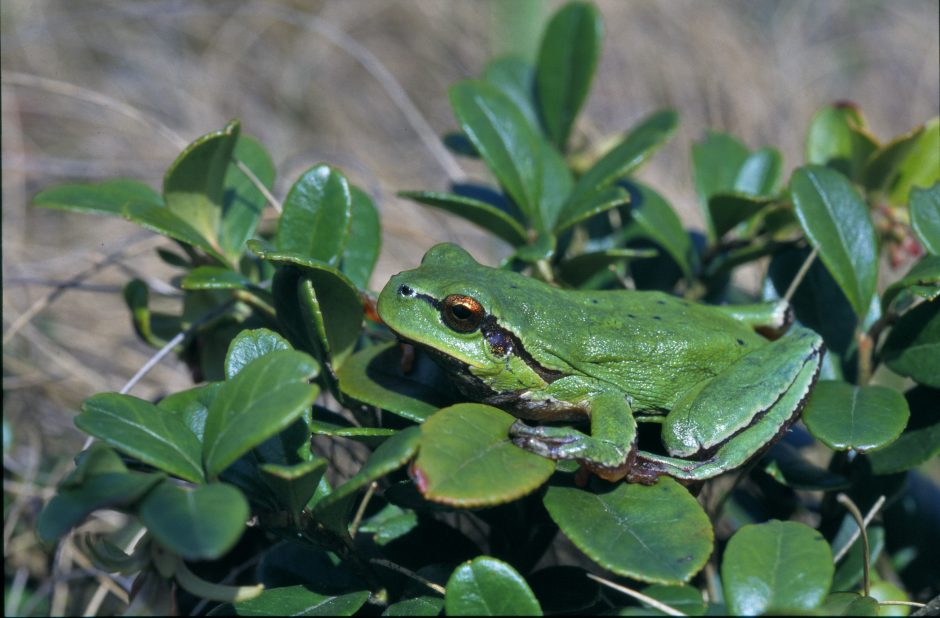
787	467
365	239
656	220
839	140
849	573
776	565
416	606
163	221
568	56
580	268
142	430
242	202
921	167
729	209
836	221
295	484
925	216
556	186
485	215
317	215
620	528
192	406
865	418
883	166
198	524
486	586
912	348
686	599
923	278
595	204
465	458
390	523
716	163
296	601
919	442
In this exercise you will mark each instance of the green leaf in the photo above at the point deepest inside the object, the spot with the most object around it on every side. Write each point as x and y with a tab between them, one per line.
193	187
656	220
480	213
620	527
106	198
296	601
912	348
294	485
778	565
214	278
923	278
568	56
919	442
515	77
365	239
556	186
317	215
72	505
851	569
489	587
686	599
848	604
333	510
635	148
465	458
865	418
242	202
375	376
137	298
581	268
836	221
921	167
787	467
192	406
327	423
716	162
504	139
416	606
390	523
839	140
759	173
727	210
883	166
263	399
925	216
161	220
599	202
97	459
142	430
198	524
251	345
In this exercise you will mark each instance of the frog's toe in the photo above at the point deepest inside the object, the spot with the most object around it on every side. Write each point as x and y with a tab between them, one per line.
534	445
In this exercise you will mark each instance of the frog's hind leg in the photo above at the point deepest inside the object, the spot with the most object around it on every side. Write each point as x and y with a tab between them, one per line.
771	319
609	450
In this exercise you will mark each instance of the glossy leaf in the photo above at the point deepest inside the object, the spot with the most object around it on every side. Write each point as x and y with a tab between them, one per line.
620	528
883	166
485	215
635	148
556	186
249	346
193	187
925	217
317	215
198	524
106	198
486	586
71	505
923	278
716	163
365	239
163	221
836	221
568	56
759	173
656	220
466	458
921	167
375	376
192	406
242	202
263	399
296	601
781	565
142	430
920	440
515	77
599	202
865	418
327	423
501	134
839	140
912	348
214	278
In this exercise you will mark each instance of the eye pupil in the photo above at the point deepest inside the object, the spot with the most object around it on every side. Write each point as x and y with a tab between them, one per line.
406	291
461	312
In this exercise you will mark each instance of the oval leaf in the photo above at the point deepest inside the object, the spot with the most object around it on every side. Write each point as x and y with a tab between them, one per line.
142	430
106	198
161	220
568	56
839	140
925	216
251	345
317	215
923	279
489	587
485	215
913	345
263	399
242	202
296	601
921	167
777	565
919	442
466	458
198	524
503	138
365	239
515	77
214	278
657	221
716	162
864	418
621	528
836	221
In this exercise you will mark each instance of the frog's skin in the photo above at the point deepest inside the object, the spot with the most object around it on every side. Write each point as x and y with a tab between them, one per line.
722	392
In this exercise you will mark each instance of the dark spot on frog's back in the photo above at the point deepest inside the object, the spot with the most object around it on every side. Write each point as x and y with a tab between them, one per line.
631	316
656	317
740	342
594	301
660	302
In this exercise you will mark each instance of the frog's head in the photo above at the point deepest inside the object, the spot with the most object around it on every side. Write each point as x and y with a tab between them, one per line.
447	305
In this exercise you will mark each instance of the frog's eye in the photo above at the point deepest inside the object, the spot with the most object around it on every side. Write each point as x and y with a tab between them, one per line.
462	313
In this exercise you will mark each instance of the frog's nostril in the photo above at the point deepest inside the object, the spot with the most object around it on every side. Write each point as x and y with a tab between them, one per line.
404	290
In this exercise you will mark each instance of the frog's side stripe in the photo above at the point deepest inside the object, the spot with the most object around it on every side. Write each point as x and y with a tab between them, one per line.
500	339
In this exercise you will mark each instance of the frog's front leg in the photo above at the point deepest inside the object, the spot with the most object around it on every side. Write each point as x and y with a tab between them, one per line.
609	450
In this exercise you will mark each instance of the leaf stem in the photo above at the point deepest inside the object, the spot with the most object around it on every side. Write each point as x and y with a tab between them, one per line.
354	526
800	274
409	573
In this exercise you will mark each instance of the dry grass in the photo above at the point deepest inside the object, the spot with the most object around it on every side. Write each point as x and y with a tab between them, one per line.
97	89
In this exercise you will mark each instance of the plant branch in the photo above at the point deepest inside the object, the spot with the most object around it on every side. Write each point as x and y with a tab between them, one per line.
666	609
845	501
800	274
244	169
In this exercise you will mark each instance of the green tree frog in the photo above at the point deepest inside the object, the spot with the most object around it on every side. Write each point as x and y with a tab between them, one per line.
722	392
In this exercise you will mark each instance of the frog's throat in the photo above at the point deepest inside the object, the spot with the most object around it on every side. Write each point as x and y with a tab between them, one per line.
489	327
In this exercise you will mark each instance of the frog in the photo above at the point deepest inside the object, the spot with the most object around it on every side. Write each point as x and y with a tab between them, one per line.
723	381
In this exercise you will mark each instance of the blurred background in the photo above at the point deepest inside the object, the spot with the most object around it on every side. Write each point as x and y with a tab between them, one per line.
100	89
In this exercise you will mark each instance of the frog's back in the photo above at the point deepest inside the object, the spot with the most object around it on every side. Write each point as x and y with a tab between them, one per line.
650	345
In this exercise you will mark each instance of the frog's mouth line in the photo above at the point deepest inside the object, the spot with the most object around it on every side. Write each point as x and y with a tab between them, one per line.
491	330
